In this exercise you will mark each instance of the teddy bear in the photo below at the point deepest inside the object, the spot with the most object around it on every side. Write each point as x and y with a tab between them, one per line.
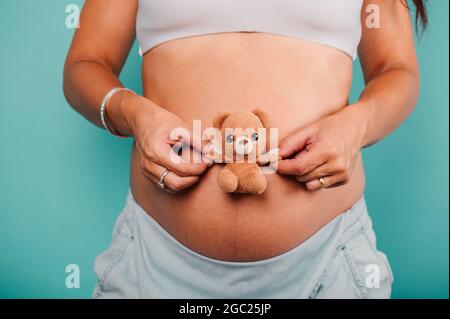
243	149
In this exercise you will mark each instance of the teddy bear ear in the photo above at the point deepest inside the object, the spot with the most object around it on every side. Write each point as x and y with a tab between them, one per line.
262	117
219	119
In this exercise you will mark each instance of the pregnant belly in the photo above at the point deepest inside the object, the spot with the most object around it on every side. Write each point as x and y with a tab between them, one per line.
295	83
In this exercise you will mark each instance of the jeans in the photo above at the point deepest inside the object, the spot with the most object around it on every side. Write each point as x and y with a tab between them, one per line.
339	261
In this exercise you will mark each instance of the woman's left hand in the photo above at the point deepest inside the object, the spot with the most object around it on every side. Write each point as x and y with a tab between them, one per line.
323	154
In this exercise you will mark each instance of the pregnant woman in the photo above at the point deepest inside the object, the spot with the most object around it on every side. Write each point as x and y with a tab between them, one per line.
309	234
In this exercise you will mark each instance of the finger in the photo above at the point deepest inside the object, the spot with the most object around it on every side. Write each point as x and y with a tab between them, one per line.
172	181
326	169
167	157
155	180
294	143
189	140
191	155
303	163
152	177
328	182
177	183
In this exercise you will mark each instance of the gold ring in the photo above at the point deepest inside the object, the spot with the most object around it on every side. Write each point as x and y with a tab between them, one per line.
322	183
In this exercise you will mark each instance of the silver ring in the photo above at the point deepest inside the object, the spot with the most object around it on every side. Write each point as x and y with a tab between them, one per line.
161	179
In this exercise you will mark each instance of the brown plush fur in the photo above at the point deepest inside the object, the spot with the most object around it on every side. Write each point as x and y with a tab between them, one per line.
242	176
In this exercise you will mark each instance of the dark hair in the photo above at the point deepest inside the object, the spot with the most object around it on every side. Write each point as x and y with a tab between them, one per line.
421	14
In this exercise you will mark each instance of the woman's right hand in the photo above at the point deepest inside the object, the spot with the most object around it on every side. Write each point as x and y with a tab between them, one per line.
152	127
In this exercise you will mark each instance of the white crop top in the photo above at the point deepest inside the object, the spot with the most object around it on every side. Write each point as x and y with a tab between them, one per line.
334	23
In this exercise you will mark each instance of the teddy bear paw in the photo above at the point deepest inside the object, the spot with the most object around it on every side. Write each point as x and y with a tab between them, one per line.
227	180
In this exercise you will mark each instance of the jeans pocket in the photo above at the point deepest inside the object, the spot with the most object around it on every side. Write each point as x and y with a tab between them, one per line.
369	267
357	271
108	261
338	280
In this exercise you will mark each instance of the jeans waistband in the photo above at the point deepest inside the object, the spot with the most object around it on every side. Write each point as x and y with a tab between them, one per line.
343	224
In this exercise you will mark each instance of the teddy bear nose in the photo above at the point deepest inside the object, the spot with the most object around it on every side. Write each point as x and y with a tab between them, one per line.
243	146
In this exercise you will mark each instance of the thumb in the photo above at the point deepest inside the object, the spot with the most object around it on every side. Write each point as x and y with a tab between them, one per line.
294	143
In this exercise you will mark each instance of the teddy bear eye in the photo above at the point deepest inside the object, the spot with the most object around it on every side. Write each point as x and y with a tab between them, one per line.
230	139
255	137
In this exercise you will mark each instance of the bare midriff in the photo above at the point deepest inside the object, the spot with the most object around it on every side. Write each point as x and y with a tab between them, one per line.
295	83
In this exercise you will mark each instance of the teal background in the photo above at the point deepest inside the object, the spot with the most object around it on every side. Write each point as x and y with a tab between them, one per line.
64	181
